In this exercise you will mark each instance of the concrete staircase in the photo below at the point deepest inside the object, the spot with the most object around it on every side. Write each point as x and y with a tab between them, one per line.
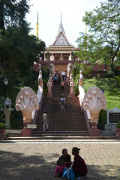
70	124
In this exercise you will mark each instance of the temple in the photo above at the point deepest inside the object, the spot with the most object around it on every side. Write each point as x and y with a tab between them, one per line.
60	52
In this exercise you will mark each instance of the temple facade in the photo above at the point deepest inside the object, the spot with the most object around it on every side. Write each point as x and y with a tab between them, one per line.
60	53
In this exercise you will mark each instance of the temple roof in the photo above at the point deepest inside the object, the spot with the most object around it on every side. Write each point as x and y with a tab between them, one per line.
61	39
61	26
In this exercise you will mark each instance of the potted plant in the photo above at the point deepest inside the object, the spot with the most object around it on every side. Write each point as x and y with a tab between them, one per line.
118	130
2	130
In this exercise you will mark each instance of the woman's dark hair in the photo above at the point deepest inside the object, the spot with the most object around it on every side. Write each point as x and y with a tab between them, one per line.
60	159
76	150
64	151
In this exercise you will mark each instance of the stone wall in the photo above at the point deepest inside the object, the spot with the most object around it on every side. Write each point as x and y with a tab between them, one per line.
60	68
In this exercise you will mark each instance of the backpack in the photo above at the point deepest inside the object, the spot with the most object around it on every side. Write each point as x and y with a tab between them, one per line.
55	77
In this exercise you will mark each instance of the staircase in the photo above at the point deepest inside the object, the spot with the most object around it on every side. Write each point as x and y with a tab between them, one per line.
70	124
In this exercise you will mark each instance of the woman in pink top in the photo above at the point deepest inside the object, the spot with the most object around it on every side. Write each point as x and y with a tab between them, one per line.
59	168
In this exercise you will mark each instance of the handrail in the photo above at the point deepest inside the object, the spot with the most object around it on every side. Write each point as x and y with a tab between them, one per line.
86	112
40	99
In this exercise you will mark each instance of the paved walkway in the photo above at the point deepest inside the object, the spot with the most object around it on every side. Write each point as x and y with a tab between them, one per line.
37	160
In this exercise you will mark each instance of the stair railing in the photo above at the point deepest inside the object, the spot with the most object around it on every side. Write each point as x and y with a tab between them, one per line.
40	97
81	98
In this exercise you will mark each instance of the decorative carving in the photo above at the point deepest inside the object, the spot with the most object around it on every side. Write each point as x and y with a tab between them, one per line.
50	77
69	69
81	78
61	41
94	101
39	67
40	81
7	103
71	77
49	84
52	58
26	102
70	57
71	85
51	69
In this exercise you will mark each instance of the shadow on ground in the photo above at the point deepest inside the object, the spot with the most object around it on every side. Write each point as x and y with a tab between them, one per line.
17	166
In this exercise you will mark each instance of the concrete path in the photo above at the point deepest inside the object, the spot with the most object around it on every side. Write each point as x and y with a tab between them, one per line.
36	160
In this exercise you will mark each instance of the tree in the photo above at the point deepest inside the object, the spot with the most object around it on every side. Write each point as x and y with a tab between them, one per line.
89	48
12	12
18	49
104	23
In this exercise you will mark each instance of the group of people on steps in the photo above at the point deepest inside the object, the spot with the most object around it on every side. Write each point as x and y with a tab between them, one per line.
79	166
59	79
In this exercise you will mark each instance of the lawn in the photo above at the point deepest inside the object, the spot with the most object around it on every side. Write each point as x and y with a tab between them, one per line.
112	94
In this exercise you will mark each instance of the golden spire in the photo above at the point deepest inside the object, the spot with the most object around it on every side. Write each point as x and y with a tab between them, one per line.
37	25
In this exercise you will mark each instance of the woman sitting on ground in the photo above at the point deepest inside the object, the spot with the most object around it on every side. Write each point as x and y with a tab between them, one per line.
66	158
79	165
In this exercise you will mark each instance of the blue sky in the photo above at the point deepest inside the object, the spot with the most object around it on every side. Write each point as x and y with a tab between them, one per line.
50	15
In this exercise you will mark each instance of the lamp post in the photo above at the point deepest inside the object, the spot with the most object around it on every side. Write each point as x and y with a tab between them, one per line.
6	83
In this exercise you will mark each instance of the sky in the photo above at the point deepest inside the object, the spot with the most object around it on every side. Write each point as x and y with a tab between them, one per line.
50	17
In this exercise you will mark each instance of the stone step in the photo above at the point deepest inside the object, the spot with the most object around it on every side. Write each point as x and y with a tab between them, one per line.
61	133
70	123
62	138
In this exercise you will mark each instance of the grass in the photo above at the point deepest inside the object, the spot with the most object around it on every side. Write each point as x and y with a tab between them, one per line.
112	94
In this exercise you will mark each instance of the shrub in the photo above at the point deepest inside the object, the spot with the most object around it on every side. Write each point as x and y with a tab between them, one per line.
2	125
118	80
118	125
16	120
102	119
76	90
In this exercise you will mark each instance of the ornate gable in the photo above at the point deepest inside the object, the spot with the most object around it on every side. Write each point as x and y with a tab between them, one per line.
61	40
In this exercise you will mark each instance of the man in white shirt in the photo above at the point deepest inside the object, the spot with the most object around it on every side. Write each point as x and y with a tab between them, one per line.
45	121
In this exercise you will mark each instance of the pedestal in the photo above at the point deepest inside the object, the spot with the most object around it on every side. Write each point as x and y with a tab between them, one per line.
49	94
25	131
7	113
72	94
117	133
94	132
2	134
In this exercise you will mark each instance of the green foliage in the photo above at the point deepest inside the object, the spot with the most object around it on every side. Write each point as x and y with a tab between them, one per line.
103	42
102	119
118	80
18	51
118	125
76	90
2	100
16	120
76	73
2	116
2	125
112	94
13	13
48	56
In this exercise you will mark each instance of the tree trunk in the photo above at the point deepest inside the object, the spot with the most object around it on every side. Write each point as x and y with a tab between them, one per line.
113	72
